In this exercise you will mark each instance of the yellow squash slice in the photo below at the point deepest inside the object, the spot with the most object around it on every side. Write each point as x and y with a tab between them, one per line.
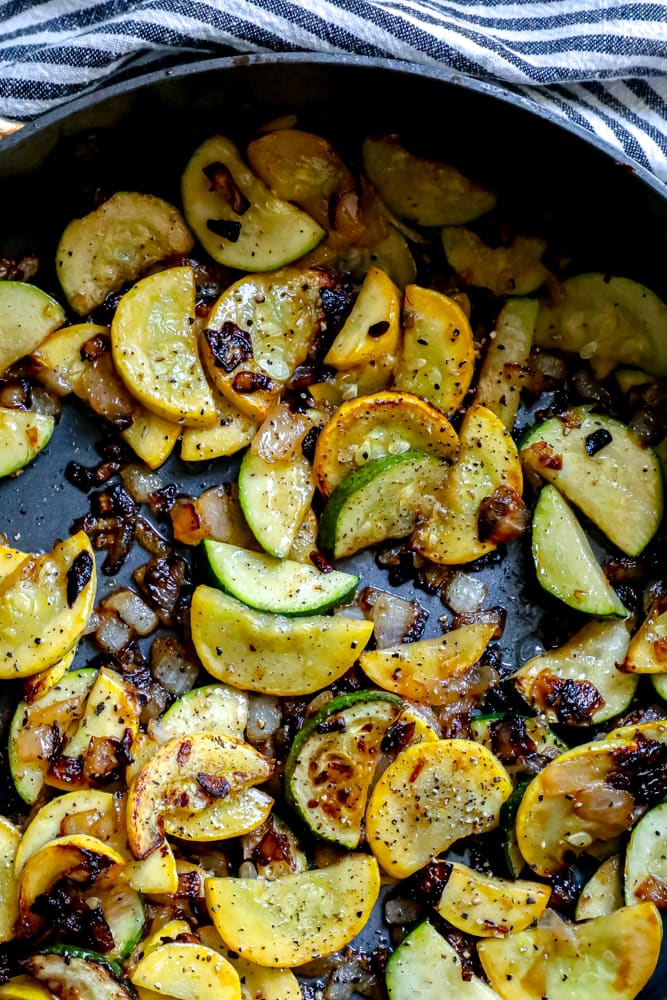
233	431
37	685
488	461
45	605
370	427
257	981
111	711
95	380
187	971
373	329
48	822
423	670
10	838
238	814
79	856
611	957
431	796
513	270
571	806
303	168
259	331
24	988
488	906
274	654
191	771
98	253
291	920
155	348
427	192
438	355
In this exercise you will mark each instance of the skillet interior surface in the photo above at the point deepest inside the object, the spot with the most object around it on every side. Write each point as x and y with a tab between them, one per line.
139	136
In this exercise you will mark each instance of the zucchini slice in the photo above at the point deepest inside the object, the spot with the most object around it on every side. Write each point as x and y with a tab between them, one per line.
123	910
647	653
488	906
431	796
332	761
236	218
599	465
76	972
426	966
645	875
114	244
64	703
504	365
372	331
10	838
514	859
564	559
45	605
383	499
376	426
259	331
22	436
188	971
574	961
427	192
282	586
422	670
608	320
603	893
275	498
291	920
580	682
27	316
269	653
213	708
438	355
513	270
487	462
154	347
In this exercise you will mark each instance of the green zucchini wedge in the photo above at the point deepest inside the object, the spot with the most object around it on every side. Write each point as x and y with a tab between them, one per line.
282	586
645	875
22	436
381	500
77	972
236	218
580	683
27	316
600	466
427	966
332	762
565	562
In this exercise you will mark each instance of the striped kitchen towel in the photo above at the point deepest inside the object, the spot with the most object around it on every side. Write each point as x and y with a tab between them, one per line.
601	63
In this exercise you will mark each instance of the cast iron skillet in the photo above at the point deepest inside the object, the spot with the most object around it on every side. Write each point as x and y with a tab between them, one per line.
138	136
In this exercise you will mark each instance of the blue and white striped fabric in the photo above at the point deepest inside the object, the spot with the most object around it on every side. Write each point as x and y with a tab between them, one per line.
601	63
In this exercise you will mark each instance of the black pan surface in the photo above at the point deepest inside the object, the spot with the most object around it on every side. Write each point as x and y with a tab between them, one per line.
139	135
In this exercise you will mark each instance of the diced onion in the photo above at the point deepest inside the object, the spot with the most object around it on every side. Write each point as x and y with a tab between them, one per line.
264	717
140	482
464	592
